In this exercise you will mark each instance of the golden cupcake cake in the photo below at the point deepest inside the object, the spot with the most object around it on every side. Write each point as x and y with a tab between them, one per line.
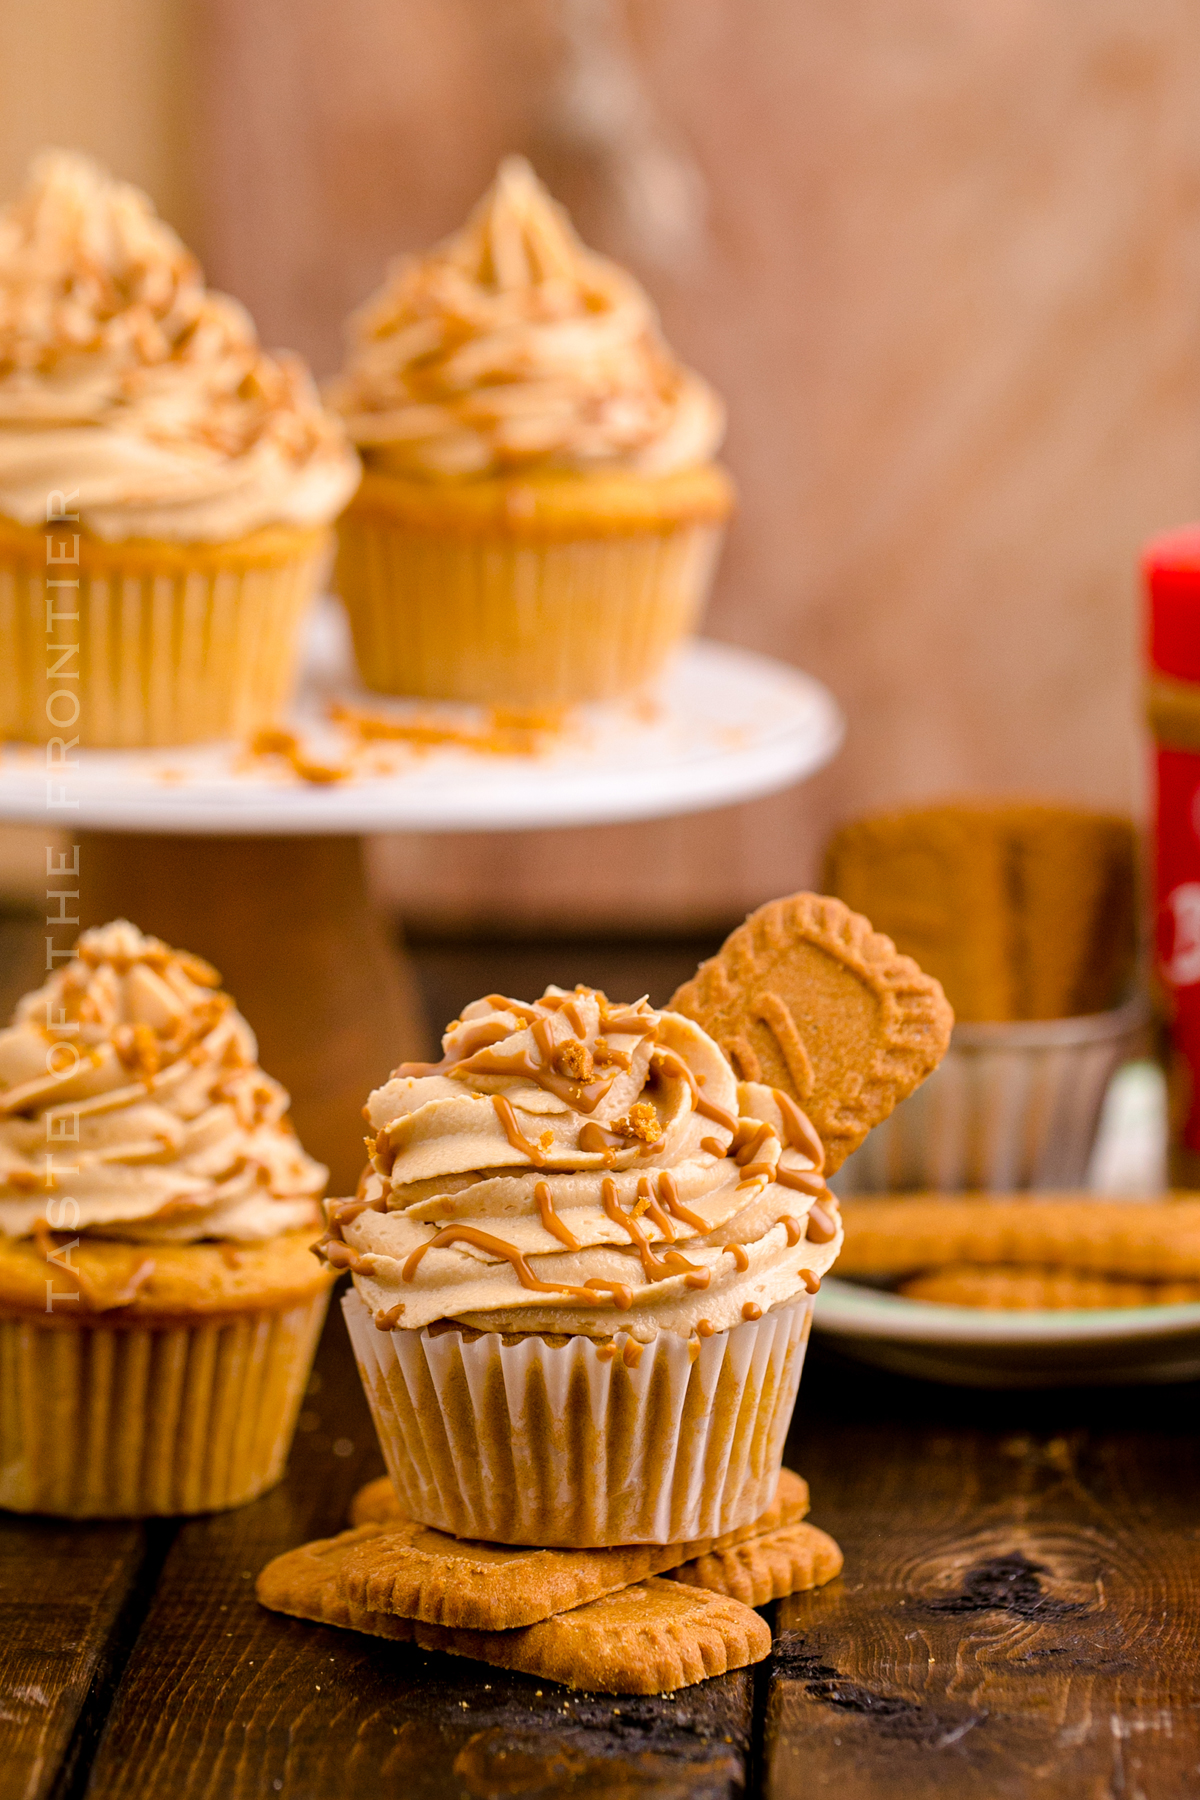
582	1264
159	1305
541	511
166	487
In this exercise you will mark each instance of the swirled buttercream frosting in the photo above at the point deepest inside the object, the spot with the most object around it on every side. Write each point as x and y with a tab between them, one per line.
586	1167
510	346
132	1105
130	390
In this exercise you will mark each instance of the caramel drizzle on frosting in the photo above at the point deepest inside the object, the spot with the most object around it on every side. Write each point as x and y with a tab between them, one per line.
659	1201
821	1228
802	1181
595	1141
478	1034
550	1219
344	1212
668	1193
483	1240
708	1109
749	1140
584	1096
513	1132
341	1256
655	1268
801	1133
476	1054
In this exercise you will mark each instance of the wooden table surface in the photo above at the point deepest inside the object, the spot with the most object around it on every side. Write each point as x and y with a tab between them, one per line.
1019	1616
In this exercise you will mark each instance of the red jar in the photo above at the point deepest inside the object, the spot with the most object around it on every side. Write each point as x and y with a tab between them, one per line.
1171	565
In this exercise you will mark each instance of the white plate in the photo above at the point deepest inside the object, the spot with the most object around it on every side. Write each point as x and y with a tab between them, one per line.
974	1348
726	726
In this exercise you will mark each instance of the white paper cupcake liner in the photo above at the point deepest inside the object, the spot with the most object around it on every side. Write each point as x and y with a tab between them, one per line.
128	1421
197	645
530	1442
498	621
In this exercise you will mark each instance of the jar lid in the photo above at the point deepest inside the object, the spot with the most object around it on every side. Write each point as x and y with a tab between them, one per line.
1171	567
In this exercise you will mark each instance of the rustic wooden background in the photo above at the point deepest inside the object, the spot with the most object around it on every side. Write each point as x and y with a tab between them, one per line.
942	258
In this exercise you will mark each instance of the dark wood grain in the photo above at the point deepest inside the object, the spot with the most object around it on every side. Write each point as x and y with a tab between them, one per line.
222	1700
64	1589
1020	1610
1019	1614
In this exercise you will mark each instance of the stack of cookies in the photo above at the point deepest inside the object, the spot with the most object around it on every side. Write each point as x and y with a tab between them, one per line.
1025	913
584	1251
639	1619
1022	909
1016	1253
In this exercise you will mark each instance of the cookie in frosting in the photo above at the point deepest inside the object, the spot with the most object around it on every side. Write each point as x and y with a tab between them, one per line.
806	995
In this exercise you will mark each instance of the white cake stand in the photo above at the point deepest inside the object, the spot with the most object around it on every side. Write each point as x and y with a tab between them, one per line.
277	897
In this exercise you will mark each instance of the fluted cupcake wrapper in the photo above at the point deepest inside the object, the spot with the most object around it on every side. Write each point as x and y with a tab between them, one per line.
499	620
531	1442
174	649
125	1421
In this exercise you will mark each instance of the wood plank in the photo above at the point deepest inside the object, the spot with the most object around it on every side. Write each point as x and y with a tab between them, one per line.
1020	1608
222	1700
66	1594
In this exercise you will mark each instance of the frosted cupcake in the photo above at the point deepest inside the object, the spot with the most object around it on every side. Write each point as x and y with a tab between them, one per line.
159	1306
583	1260
541	512
166	487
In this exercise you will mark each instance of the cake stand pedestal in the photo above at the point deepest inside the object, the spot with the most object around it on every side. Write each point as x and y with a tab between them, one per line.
263	873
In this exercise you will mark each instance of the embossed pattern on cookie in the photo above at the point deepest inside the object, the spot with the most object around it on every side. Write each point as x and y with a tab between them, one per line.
787	1561
651	1638
306	1582
398	1566
1145	1240
1009	1288
806	997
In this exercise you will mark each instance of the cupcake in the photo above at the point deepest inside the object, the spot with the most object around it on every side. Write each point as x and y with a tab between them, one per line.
166	487
159	1305
541	513
583	1257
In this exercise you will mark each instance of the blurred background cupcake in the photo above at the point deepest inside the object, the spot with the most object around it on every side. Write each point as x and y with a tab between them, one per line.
173	479
159	1308
541	513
